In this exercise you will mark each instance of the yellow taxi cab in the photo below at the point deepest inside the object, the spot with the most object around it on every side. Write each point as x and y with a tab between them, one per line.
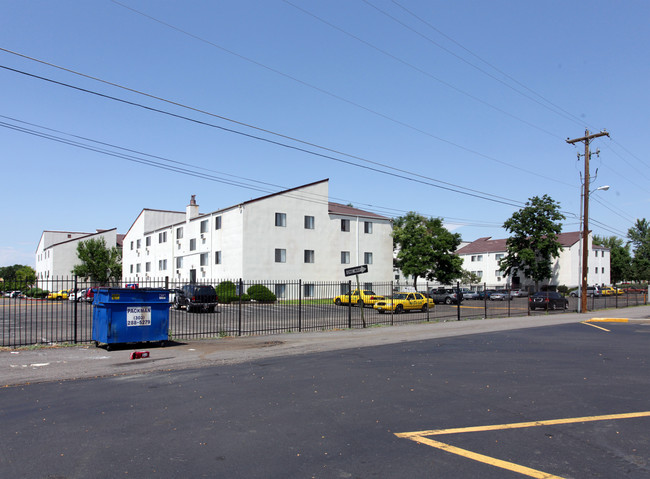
609	291
360	298
62	294
401	302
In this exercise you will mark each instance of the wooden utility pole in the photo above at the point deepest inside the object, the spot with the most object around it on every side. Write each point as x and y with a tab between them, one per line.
585	217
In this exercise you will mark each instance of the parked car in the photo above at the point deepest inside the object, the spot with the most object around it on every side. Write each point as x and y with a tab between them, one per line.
609	291
89	294
500	296
404	301
486	294
468	294
591	291
196	297
547	300
519	293
360	298
76	295
58	295
445	295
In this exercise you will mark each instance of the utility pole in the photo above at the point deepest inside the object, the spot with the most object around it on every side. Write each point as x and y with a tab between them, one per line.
585	216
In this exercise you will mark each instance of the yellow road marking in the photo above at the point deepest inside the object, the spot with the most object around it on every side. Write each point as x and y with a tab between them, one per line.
587	323
608	320
485	459
420	436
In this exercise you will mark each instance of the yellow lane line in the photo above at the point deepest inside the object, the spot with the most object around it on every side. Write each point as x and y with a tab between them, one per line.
485	459
594	326
518	425
419	436
608	320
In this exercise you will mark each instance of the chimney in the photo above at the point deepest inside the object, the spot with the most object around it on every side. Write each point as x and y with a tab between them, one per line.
192	210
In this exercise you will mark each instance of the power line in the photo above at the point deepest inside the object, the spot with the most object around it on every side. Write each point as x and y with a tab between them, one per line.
401	175
419	70
184	168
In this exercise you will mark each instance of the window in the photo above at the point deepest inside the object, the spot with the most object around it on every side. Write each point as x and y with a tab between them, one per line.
308	290
217	257
147	241
309	222
138	243
596	269
193	244
280	255
596	253
309	256
162	265
345	257
147	266
367	258
345	225
131	245
603	270
217	223
205	258
280	290
204	226
179	262
179	233
367	227
131	269
344	288
499	256
162	237
477	257
138	267
281	219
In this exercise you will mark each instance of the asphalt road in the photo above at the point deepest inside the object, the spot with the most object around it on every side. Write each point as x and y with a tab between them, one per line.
563	399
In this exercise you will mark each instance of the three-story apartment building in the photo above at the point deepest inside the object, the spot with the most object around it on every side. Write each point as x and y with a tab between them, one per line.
290	235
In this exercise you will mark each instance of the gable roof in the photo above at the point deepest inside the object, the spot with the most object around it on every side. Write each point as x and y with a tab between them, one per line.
339	209
488	245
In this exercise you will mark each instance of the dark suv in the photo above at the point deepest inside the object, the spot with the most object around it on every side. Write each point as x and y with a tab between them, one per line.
196	297
445	295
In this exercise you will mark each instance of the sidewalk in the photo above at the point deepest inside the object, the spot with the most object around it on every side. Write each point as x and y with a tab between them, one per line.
67	363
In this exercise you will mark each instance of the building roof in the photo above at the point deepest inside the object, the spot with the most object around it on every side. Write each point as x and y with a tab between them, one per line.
488	245
339	209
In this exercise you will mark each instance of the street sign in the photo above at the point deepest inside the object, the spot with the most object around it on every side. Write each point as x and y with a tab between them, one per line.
356	270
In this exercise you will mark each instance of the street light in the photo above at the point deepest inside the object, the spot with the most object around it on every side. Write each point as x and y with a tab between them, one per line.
582	306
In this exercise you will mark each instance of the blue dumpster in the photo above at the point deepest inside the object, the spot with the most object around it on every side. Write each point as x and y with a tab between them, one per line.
123	315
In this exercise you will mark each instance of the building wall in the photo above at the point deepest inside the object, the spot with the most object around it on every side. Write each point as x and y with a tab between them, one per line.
56	254
248	238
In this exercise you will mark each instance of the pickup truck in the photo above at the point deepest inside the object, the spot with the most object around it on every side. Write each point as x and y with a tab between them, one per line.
445	295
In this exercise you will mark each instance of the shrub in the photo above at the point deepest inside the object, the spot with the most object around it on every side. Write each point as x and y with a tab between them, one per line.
36	293
227	293
261	293
564	289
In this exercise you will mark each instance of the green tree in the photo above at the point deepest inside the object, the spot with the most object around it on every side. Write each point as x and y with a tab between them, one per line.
17	276
639	235
533	242
426	249
620	257
98	262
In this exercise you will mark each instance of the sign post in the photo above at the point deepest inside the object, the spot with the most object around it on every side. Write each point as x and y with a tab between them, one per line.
356	271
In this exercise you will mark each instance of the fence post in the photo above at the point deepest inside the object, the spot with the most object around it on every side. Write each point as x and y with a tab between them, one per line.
241	288
349	304
458	300
485	298
76	301
300	305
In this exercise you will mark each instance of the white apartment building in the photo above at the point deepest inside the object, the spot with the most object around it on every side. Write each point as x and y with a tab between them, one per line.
290	235
481	257
56	253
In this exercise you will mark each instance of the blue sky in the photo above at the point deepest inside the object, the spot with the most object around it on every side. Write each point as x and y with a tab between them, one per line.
458	110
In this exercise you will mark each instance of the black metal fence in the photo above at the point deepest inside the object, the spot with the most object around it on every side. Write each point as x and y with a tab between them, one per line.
61	310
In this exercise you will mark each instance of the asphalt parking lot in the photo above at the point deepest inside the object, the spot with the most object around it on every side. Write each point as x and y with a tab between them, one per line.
512	397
